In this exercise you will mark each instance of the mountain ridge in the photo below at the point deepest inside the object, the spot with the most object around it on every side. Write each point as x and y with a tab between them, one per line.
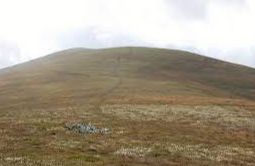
142	47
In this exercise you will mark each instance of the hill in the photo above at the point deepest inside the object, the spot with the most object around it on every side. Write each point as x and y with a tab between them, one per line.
159	104
85	75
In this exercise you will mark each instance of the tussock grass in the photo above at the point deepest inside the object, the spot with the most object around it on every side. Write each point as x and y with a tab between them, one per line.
231	117
133	152
216	153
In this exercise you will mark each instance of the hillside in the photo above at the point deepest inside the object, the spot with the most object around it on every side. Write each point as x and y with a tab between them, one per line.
85	75
149	99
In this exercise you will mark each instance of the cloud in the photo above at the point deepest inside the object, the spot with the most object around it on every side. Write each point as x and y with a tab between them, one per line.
218	28
96	37
237	3
9	53
188	10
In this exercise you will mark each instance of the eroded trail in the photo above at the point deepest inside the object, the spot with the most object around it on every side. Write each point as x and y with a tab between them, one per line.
116	72
102	97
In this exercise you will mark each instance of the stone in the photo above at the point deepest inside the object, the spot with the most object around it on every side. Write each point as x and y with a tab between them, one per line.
84	128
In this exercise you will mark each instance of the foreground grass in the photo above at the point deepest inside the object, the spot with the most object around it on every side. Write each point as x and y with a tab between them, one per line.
140	135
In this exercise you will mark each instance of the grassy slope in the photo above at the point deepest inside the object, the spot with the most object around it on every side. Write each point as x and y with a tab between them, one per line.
102	86
86	74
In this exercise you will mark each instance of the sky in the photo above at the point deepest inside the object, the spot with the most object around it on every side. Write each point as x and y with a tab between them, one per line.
223	29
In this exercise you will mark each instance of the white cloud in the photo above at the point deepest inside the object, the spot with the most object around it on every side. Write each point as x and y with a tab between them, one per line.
218	28
10	49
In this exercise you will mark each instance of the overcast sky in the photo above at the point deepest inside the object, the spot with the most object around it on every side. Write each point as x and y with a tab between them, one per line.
223	29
